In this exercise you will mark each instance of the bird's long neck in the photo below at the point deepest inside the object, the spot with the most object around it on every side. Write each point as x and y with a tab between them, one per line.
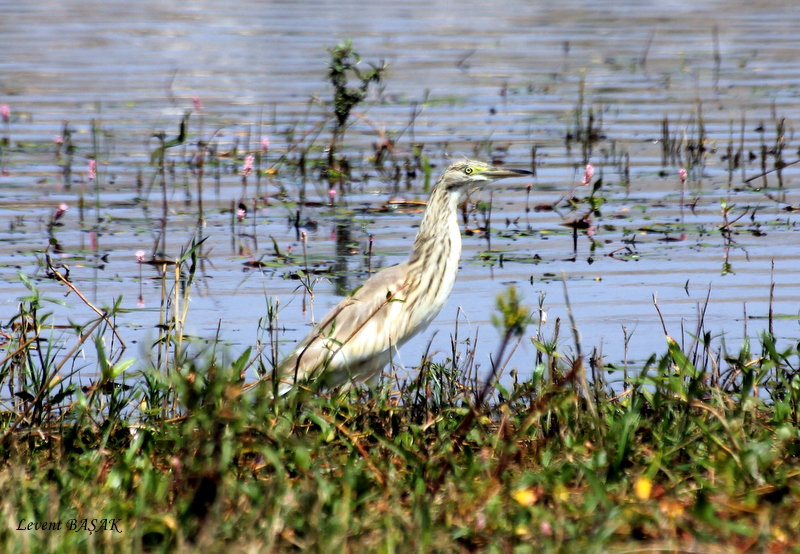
439	238
433	265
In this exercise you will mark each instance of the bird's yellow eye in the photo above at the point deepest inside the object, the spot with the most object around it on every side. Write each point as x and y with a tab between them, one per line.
468	170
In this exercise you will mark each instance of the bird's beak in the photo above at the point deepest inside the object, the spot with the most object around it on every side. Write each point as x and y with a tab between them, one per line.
496	173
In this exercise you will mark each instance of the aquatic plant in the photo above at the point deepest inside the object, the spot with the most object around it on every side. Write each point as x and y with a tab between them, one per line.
342	66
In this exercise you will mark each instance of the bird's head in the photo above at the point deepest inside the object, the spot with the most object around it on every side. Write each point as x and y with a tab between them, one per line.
465	174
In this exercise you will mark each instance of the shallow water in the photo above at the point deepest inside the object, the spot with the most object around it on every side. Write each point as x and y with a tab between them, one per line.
487	81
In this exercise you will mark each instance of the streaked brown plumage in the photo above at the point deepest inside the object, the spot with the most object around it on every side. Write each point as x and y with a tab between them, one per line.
361	334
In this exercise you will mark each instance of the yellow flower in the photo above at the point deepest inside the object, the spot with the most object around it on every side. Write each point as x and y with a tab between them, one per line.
526	497
642	488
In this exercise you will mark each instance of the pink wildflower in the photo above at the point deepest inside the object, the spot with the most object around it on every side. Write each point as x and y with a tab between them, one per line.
264	144
588	173
140	256
682	174
62	208
332	195
5	112
546	529
92	170
58	139
241	213
198	107
248	166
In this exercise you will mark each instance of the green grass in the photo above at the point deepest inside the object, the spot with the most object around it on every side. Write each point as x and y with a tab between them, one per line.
686	455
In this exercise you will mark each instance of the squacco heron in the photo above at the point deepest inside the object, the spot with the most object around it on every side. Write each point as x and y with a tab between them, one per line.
361	335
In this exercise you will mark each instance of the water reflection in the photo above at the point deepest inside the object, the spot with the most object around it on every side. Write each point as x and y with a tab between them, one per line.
342	231
553	86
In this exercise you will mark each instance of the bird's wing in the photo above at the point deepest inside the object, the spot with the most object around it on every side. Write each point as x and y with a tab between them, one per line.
360	329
